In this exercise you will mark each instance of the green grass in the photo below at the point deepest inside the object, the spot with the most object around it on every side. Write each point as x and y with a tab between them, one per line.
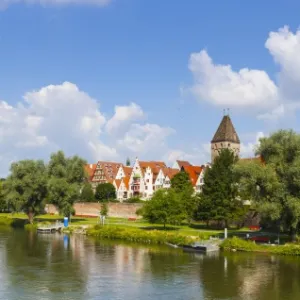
138	235
236	244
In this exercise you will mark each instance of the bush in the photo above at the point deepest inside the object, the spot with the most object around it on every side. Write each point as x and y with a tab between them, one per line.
138	235
242	245
134	200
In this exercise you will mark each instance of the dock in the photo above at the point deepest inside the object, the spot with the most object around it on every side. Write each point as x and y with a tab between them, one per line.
201	247
50	228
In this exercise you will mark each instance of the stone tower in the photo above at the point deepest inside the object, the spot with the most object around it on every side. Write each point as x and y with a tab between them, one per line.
225	137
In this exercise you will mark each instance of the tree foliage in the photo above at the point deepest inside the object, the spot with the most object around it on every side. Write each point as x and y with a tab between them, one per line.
105	192
26	187
219	200
104	210
128	163
164	208
87	193
274	185
66	178
182	186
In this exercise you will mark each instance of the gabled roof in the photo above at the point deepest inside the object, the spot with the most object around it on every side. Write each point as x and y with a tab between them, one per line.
90	169
257	159
170	172
110	169
126	182
155	166
127	171
193	172
183	163
118	182
226	132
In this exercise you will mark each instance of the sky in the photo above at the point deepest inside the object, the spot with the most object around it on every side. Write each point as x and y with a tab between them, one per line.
111	79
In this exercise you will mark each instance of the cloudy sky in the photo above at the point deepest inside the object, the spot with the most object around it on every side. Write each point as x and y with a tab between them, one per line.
107	79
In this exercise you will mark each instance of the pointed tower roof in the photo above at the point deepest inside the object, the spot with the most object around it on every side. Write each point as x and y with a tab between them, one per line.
226	132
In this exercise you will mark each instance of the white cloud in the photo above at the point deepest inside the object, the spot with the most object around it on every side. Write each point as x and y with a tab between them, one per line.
5	3
146	138
248	149
253	89
221	86
274	114
124	115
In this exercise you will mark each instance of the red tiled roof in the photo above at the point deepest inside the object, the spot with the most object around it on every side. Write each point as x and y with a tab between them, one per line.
183	163
127	171
110	169
258	159
90	169
117	182
193	172
170	172
155	166
126	182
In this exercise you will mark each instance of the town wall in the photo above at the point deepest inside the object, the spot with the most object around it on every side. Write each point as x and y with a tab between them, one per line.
87	209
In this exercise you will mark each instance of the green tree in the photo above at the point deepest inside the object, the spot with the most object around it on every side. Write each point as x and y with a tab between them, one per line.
66	178
181	181
219	200
182	185
104	210
164	208
274	185
128	163
87	193
26	187
105	192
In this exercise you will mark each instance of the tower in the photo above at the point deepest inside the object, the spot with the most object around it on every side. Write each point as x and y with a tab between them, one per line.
225	137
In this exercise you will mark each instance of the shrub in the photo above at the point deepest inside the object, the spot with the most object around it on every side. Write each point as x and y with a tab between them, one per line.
134	200
138	235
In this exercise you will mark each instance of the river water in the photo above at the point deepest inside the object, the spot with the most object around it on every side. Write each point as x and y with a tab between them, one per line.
55	266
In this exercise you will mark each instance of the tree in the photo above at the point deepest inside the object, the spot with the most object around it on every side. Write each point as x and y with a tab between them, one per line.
181	181
164	208
104	210
182	185
274	184
105	192
219	200
128	163
66	178
26	187
87	193
3	204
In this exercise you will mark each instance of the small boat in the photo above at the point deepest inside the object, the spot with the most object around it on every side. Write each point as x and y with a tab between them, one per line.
203	248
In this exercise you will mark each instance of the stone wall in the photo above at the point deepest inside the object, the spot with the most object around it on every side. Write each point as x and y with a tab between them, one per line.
86	209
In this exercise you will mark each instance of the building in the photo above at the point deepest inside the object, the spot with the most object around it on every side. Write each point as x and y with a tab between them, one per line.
122	188
104	172
225	138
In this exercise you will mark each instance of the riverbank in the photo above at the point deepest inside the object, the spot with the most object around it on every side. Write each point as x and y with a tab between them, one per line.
237	244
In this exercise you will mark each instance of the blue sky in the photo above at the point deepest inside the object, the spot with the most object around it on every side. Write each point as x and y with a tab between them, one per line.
144	57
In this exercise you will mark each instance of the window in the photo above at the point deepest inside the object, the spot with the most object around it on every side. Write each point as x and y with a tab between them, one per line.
147	180
146	188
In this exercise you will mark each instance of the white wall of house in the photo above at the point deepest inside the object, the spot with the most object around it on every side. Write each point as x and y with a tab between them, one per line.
160	180
120	173
167	182
200	182
148	178
137	171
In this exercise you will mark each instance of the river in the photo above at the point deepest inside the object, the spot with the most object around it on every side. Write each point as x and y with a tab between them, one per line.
55	266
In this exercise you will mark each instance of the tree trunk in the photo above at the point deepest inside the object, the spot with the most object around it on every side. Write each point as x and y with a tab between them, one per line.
293	234
30	217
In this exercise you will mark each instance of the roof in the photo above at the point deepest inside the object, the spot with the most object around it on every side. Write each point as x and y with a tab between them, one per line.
170	172
193	172
226	132
257	159
183	163
110	169
117	182
90	169
126	182
155	166
127	171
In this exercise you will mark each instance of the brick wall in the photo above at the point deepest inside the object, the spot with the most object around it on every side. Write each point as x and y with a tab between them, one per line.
121	210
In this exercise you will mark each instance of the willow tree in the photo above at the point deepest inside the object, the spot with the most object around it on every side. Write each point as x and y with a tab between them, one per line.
274	184
66	178
25	189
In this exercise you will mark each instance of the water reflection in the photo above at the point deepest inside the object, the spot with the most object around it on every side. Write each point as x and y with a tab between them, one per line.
56	266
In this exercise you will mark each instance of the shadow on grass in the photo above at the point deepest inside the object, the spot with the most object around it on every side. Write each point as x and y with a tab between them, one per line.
167	228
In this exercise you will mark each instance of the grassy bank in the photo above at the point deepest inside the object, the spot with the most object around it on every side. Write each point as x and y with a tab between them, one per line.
236	244
137	235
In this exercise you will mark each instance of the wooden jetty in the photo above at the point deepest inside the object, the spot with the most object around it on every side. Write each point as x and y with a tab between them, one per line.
201	247
50	228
